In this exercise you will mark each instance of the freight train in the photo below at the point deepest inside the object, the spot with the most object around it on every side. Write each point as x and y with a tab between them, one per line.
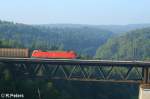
24	53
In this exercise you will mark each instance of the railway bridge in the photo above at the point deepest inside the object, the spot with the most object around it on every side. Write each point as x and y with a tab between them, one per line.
82	70
76	69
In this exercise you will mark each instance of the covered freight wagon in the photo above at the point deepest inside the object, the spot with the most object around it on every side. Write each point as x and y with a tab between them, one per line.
14	52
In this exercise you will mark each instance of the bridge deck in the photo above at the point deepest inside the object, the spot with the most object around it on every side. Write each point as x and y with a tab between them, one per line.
77	61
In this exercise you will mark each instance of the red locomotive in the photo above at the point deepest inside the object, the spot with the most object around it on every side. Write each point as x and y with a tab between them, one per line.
54	54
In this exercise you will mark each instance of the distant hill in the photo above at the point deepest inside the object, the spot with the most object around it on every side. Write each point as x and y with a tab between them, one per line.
82	39
123	28
134	45
117	29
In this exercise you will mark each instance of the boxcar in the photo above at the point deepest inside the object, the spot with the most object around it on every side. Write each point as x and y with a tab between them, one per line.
14	52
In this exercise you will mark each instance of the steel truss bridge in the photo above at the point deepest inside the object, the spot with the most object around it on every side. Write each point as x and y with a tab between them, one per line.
75	69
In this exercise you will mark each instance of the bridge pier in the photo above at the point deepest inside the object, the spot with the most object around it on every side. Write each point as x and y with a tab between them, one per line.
144	91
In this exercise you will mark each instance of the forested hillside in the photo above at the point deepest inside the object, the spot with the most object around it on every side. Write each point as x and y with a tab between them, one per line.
119	29
134	45
82	39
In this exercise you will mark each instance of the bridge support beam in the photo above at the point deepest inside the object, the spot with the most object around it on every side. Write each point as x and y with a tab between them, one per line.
145	73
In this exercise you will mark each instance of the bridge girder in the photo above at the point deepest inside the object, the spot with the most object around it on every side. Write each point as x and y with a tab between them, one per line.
82	70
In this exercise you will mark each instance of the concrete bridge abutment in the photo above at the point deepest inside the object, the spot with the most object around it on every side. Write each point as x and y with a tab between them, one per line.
144	91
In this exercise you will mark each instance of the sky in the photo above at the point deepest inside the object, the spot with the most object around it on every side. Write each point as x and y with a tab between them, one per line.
93	12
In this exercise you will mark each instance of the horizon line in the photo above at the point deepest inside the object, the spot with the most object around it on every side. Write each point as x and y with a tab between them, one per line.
15	22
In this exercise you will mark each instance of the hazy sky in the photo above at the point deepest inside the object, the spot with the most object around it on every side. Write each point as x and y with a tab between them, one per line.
76	11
